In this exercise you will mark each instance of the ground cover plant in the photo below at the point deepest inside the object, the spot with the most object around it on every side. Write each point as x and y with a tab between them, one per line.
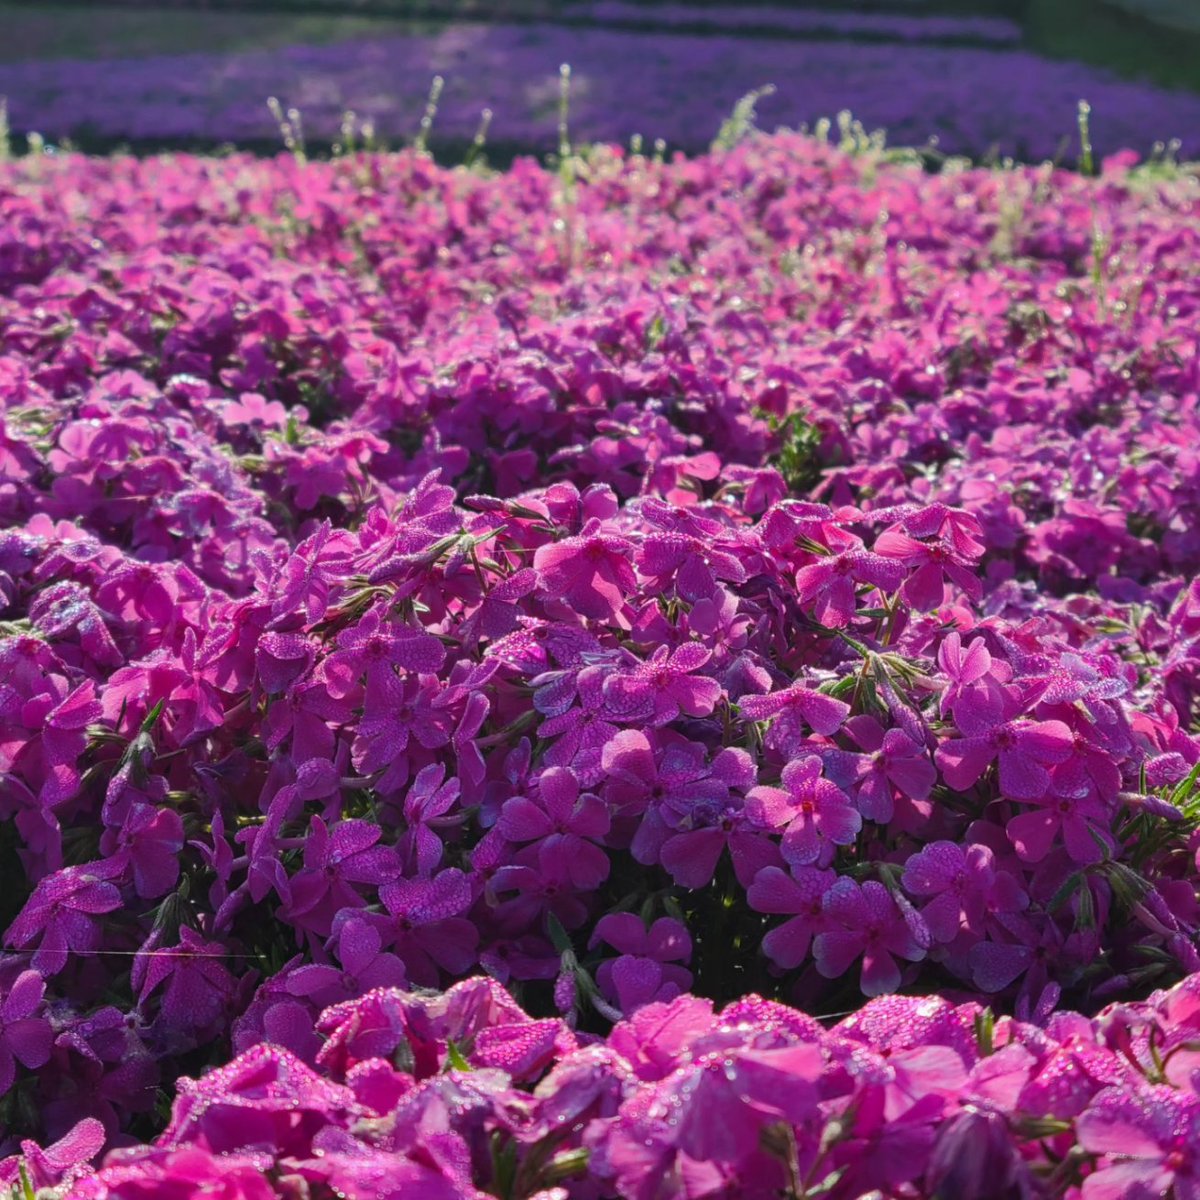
673	606
960	80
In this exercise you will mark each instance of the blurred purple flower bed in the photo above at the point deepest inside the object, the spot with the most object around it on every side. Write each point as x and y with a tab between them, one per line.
677	87
732	621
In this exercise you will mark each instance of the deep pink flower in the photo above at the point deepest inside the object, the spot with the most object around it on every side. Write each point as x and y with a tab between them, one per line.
801	896
663	686
930	563
792	709
829	584
646	971
963	886
894	763
1025	750
592	573
197	988
428	925
564	824
1148	1142
25	1034
868	924
813	814
60	918
335	861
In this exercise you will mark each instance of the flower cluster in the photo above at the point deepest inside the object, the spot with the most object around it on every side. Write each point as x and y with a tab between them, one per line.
769	572
463	1096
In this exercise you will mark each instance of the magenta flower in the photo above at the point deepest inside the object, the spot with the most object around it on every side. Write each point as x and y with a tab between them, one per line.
867	923
830	583
646	971
373	647
63	736
792	709
428	926
801	897
1066	816
564	825
591	573
930	564
150	839
894	763
667	772
400	716
962	886
813	814
663	686
1148	1143
972	672
25	1034
1025	750
429	808
334	863
60	918
197	988
66	1160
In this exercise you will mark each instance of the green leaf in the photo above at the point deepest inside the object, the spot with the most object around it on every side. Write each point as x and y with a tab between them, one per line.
558	935
152	718
985	1026
455	1059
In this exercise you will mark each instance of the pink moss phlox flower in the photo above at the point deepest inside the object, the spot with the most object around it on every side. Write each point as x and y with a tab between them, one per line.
1025	749
793	708
63	738
931	563
800	896
428	925
730	1096
267	1097
281	659
374	647
658	1038
179	1174
813	814
1068	816
651	771
662	687
151	839
192	706
702	814
974	675
400	718
646	971
867	923
592	573
830	583
430	806
1148	1143
61	917
60	1165
25	1033
336	863
304	716
581	731
893	763
195	988
961	887
564	824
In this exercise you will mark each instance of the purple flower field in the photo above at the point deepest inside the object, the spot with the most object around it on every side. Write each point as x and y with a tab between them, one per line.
974	100
633	679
